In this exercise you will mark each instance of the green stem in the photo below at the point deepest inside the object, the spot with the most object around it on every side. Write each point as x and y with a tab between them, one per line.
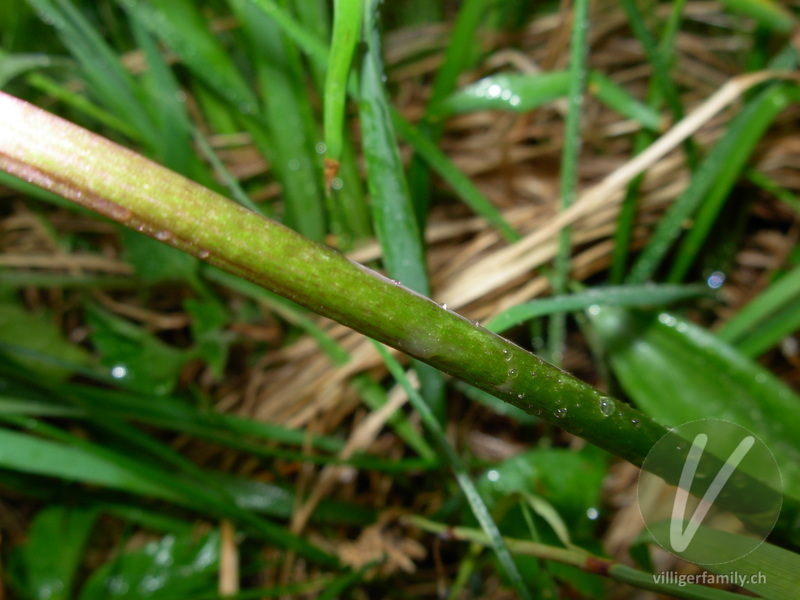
118	183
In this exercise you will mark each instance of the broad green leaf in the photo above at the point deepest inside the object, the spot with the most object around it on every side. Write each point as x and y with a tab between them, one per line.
570	481
768	571
175	566
678	372
39	334
45	570
562	487
137	359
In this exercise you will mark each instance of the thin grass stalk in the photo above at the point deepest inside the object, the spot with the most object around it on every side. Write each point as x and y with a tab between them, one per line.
569	167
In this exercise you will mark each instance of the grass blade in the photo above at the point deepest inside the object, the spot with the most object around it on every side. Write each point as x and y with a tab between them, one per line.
721	165
347	19
745	322
640	295
569	167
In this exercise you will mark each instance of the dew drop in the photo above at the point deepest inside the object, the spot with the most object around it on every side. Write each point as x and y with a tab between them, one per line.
560	413
506	356
203	254
163	236
607	407
119	371
533	375
512	373
520	396
636	423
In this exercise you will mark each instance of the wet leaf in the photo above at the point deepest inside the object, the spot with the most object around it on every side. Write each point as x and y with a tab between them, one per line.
678	372
176	566
45	570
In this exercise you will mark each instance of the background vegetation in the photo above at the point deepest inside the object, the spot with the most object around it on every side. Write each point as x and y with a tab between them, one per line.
560	173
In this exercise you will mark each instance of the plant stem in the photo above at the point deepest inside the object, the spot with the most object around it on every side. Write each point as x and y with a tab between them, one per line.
118	183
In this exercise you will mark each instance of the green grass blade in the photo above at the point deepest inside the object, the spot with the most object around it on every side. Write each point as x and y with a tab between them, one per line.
569	167
49	570
626	220
108	79
768	570
772	103
720	166
395	221
782	324
471	493
395	225
768	13
292	131
374	396
520	93
347	20
459	55
779	294
78	102
617	98
179	24
29	454
771	186
462	185
633	295
660	67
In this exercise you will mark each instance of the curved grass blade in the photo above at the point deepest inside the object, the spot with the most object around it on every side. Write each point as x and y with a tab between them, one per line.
521	93
633	295
768	13
768	571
